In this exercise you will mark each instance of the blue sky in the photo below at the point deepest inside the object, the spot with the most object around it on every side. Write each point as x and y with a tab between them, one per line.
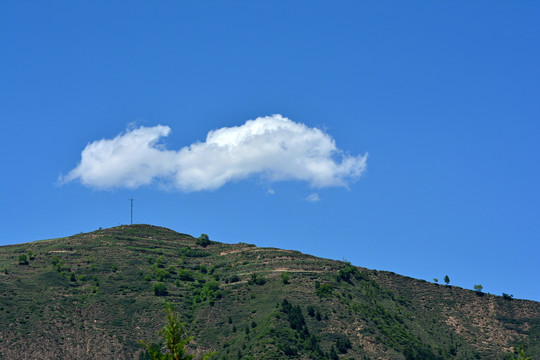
442	97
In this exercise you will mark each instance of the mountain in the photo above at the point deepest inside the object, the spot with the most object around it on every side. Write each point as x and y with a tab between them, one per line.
95	295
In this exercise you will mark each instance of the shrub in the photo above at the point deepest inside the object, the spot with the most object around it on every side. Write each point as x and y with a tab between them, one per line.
507	297
161	274
185	275
256	280
23	259
323	290
234	278
160	289
343	344
478	288
55	260
346	272
285	278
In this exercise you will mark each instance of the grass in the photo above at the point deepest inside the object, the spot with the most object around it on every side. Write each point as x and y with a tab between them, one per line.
92	296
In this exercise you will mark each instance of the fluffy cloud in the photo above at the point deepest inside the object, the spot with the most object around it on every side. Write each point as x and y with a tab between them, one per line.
272	147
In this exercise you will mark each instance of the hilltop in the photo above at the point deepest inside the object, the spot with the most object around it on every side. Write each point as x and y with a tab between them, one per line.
94	295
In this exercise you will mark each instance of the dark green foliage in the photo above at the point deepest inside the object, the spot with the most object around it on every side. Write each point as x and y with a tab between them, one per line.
285	277
333	354
294	315
203	240
348	272
343	344
160	289
161	274
209	292
323	290
23	259
256	280
193	253
446	279
507	297
185	275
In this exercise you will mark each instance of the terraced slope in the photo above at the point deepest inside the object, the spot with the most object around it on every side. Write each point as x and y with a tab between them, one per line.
94	295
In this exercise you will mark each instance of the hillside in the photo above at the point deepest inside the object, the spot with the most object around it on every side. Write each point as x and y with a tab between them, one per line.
94	295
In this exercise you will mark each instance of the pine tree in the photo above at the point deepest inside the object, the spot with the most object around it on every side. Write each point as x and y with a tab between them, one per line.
175	338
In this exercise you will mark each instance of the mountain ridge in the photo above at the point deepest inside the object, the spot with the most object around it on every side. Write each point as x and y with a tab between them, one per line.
94	295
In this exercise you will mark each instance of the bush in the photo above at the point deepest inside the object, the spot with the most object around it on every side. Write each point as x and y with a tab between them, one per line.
256	280
343	344
285	278
55	260
323	290
185	275
23	259
346	272
507	297
160	289
161	274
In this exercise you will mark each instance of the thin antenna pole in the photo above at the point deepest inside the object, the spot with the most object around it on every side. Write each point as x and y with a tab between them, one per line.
131	199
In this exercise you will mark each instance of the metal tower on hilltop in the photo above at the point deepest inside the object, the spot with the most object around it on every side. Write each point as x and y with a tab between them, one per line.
131	199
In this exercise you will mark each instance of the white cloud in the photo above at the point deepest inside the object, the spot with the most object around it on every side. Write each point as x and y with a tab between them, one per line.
272	147
313	197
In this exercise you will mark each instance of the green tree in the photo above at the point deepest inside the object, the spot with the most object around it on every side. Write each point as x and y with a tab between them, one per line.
478	288
175	339
203	240
446	279
436	280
